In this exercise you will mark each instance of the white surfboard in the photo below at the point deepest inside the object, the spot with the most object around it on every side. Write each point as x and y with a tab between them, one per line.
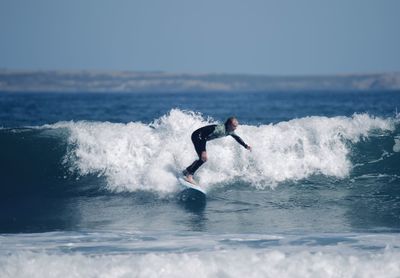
191	185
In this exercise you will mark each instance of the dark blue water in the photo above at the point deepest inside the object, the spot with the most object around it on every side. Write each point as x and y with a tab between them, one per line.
89	169
32	109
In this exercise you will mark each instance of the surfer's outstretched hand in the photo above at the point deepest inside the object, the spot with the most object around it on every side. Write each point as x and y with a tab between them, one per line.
249	148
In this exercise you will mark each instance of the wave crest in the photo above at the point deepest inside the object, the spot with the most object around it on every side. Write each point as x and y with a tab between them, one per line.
138	156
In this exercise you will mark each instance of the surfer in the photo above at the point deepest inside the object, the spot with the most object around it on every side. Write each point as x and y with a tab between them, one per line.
207	133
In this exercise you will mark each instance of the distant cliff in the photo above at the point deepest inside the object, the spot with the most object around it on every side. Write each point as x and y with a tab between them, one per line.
130	81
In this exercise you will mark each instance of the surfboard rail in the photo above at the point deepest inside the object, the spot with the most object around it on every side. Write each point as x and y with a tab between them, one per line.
187	184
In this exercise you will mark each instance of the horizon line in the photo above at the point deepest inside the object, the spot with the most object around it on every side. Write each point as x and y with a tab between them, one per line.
25	70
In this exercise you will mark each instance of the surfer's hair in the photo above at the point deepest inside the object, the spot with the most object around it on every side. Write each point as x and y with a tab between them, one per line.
230	120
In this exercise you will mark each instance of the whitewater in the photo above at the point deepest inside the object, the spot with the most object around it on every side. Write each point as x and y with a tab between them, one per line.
137	156
95	194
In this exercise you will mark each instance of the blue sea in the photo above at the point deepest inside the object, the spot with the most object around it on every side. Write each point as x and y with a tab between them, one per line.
88	185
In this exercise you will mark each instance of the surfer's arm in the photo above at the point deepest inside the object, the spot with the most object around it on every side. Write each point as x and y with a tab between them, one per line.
239	140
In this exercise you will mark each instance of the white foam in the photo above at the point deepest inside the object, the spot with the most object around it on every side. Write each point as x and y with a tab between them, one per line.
137	156
396	146
238	263
132	254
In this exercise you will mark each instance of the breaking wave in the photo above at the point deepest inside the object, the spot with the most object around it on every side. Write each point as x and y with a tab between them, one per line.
139	156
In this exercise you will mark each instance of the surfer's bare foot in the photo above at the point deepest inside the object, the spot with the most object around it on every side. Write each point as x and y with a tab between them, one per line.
189	178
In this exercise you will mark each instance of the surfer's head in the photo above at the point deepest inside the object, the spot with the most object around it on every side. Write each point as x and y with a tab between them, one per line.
231	123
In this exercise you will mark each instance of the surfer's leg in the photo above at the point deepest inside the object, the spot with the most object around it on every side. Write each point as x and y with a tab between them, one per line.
189	171
194	166
200	147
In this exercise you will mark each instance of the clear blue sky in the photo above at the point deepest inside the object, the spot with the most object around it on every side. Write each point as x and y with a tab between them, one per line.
225	36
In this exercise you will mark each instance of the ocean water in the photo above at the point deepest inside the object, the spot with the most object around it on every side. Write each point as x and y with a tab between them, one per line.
88	185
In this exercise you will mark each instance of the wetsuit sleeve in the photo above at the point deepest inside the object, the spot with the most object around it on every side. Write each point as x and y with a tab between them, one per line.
239	140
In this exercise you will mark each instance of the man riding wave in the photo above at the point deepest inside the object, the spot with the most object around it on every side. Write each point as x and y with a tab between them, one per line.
207	133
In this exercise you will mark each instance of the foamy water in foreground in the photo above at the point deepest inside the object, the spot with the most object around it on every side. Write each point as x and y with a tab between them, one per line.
199	255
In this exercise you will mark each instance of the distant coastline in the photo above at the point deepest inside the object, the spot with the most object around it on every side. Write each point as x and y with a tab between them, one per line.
132	81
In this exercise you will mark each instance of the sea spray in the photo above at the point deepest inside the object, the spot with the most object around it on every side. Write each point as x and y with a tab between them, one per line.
138	156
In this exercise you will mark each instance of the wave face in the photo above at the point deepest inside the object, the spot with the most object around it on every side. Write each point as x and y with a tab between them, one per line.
148	157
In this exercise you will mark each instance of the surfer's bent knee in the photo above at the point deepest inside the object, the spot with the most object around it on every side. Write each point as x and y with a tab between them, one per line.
203	156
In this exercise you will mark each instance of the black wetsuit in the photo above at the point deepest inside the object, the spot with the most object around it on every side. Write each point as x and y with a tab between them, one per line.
207	133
